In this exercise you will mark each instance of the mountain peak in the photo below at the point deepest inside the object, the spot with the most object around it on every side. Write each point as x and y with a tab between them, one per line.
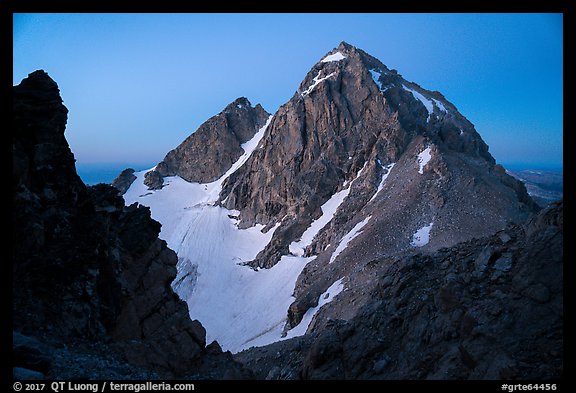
345	46
348	59
346	49
238	103
342	51
39	86
219	139
349	50
349	112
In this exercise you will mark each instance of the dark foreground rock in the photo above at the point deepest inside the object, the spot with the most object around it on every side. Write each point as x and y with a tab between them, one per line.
489	308
86	269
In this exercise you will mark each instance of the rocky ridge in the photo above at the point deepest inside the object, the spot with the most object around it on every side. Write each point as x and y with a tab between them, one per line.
124	180
212	149
89	271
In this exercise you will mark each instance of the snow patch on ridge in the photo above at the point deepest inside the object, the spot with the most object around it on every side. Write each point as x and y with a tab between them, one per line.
440	105
423	159
376	76
427	102
348	238
333	57
325	298
422	236
328	211
317	80
387	170
348	183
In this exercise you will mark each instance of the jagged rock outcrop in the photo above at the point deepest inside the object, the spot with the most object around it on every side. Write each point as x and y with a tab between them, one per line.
87	269
488	308
124	180
210	151
350	118
153	180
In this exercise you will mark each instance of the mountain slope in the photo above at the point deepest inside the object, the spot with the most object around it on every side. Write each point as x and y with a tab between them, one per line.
211	251
489	308
357	166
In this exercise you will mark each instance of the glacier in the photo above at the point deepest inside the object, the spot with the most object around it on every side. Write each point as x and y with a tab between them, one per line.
240	307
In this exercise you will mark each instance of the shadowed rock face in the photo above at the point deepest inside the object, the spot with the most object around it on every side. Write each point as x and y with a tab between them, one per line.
210	151
489	308
85	267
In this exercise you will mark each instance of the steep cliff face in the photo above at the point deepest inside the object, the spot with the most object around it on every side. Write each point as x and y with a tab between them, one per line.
210	151
85	267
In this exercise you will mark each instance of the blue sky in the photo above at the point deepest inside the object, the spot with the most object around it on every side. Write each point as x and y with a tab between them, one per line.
136	85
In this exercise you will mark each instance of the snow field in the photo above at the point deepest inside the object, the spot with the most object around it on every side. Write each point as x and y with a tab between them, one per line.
237	305
333	57
422	236
423	158
348	238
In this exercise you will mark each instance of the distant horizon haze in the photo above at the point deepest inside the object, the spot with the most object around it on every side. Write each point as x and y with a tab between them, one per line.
105	172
